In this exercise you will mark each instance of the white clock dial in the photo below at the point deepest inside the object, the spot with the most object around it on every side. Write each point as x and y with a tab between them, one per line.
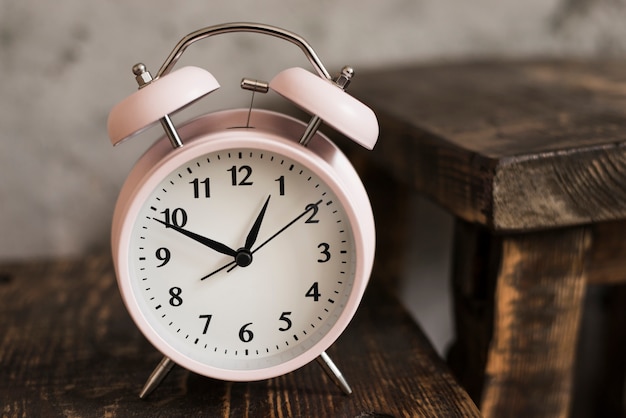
242	259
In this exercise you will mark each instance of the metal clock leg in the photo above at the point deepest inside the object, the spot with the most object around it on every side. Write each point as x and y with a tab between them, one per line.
156	377
165	365
334	373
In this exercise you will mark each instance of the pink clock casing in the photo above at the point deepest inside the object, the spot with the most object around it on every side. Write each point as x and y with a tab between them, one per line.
314	94
273	132
153	101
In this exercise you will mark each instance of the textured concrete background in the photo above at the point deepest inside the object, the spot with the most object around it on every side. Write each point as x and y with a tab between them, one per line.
64	64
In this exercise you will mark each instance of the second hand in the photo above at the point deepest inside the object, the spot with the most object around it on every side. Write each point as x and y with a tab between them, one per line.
309	208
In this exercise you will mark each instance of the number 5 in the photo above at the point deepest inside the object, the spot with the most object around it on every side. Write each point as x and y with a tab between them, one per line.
285	317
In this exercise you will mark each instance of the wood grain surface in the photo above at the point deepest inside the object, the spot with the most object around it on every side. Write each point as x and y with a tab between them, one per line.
606	260
69	349
511	145
521	347
530	157
538	306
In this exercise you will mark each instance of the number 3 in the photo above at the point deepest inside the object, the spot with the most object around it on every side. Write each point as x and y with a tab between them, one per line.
325	247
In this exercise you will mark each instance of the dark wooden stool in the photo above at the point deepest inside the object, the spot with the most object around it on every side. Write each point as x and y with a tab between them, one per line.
530	157
68	348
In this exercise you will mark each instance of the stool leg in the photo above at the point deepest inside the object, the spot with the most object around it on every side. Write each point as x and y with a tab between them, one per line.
537	308
476	258
601	371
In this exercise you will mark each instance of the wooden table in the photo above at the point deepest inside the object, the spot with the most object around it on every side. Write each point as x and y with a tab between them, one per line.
68	348
530	158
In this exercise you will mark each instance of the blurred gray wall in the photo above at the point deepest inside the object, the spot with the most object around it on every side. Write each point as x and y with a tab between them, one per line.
65	63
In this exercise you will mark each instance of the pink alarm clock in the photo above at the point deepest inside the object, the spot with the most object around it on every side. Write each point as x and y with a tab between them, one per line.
243	240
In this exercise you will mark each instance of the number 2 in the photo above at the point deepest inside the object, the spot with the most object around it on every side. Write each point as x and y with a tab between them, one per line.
311	219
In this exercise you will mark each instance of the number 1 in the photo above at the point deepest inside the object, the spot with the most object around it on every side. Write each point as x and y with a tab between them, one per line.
281	185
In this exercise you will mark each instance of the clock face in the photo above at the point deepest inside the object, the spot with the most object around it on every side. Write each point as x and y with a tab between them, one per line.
242	258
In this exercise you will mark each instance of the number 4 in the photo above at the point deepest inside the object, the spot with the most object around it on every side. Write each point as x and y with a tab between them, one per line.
314	292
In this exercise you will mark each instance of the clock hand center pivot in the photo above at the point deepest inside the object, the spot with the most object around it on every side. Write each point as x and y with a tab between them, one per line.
243	257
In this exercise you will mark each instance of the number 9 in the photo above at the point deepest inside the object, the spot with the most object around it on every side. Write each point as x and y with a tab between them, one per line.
163	254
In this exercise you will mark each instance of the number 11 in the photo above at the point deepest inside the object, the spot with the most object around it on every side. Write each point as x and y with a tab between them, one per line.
196	187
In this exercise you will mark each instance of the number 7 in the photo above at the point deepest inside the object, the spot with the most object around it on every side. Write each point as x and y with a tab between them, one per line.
206	325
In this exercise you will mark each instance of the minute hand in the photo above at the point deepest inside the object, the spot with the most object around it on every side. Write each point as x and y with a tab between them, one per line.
309	208
214	245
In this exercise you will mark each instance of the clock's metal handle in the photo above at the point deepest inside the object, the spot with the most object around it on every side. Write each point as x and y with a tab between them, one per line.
274	31
242	27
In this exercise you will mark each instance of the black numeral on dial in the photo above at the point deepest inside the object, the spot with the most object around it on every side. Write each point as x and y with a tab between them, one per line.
324	251
164	255
246	335
206	189
244	172
281	185
175	293
314	292
311	219
285	318
177	217
207	321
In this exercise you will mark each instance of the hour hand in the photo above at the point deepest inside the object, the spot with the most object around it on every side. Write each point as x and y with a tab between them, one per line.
254	232
214	245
